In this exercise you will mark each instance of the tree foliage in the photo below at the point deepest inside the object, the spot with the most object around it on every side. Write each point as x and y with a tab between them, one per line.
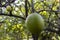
12	22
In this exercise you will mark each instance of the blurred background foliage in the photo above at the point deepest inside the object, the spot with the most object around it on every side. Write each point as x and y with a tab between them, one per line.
13	28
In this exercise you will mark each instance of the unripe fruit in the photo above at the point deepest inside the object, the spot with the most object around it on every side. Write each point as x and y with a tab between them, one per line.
8	8
35	23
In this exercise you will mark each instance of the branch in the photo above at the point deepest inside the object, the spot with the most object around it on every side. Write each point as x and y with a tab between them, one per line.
12	16
48	11
32	6
26	8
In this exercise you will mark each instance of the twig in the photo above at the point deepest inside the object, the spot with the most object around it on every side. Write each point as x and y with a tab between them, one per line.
32	6
12	16
26	8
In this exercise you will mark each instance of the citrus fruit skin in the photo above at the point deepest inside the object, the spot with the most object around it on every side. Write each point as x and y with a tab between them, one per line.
34	23
8	8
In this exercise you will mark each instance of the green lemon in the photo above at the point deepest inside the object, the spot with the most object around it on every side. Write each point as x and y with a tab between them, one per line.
8	8
35	23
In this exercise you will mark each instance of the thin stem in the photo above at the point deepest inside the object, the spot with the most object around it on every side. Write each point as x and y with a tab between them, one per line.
35	37
26	8
32	6
12	16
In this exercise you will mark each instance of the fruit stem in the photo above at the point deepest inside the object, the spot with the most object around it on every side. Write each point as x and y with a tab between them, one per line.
35	37
26	7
